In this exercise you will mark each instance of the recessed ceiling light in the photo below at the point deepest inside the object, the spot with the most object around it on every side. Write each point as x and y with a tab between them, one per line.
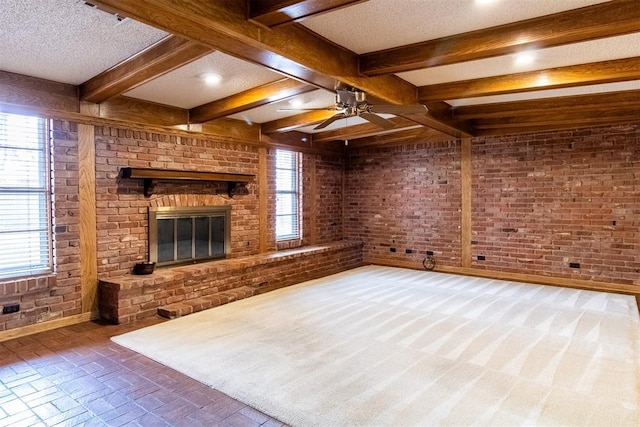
211	78
524	58
295	103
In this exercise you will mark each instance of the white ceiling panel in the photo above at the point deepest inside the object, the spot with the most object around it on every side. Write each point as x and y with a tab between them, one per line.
185	88
383	24
578	53
296	105
551	93
65	40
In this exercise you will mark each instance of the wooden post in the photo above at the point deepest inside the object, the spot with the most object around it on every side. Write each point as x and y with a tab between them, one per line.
87	203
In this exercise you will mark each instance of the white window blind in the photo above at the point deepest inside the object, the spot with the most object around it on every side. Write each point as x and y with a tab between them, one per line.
287	195
25	241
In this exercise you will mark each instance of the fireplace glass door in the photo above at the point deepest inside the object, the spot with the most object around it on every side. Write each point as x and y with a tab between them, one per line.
182	235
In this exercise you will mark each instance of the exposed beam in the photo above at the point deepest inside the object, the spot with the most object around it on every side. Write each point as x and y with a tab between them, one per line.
301	142
601	20
364	130
290	123
554	121
271	13
139	111
401	137
568	117
553	78
600	102
291	50
160	58
440	118
252	98
19	89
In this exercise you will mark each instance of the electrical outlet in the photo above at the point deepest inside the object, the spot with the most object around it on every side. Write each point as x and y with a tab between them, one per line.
408	251
11	308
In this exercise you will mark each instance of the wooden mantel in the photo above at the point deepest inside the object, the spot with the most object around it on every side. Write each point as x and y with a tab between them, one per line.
149	175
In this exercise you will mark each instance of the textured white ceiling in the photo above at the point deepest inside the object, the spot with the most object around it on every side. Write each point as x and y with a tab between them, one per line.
577	53
183	88
65	40
382	24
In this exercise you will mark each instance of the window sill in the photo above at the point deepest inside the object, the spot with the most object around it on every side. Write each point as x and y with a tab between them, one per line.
288	243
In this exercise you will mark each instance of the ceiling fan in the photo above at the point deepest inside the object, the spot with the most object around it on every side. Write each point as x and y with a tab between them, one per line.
353	103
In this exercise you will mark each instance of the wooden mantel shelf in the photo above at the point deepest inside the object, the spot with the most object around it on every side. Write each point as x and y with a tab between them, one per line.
149	175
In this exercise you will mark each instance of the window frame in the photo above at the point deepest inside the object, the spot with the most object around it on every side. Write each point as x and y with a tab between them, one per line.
295	191
45	174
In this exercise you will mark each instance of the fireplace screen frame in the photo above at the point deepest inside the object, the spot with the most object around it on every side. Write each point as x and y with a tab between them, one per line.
169	212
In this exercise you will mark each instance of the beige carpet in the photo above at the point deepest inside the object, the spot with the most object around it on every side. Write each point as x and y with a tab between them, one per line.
379	346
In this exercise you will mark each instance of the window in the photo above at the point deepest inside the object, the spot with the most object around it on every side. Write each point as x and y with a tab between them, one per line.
287	195
25	241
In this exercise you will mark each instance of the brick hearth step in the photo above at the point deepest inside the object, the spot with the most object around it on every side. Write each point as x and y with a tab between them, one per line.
182	308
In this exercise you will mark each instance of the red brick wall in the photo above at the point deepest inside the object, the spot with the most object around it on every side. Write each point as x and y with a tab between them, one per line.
122	208
329	198
56	295
405	197
539	203
543	201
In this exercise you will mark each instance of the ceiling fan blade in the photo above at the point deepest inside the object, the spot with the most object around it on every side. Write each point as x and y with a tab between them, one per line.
377	120
399	109
311	109
330	120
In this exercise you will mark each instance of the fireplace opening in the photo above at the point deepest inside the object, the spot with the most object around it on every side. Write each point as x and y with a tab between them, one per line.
188	235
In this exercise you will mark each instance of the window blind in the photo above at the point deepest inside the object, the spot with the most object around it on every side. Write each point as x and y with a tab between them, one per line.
25	241
287	195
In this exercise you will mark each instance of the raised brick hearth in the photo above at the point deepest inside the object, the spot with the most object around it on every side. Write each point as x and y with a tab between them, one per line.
173	292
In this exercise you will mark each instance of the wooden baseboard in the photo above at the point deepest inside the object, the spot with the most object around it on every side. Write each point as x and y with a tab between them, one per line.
516	277
46	326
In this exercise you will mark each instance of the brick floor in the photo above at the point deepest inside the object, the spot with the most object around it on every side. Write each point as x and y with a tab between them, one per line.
77	376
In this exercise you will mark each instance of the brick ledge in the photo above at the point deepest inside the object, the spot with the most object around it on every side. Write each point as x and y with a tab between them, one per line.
166	274
176	291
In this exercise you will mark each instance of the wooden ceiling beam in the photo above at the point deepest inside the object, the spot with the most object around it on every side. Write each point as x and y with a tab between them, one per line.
166	55
601	20
554	125
291	50
599	102
400	137
440	118
252	98
553	78
557	118
272	13
290	123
